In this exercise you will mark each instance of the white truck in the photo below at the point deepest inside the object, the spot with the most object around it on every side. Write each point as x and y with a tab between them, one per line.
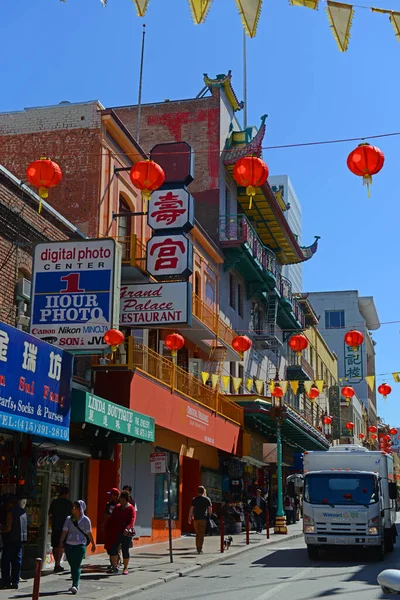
349	500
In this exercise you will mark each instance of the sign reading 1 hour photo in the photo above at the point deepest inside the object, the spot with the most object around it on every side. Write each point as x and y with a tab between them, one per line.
75	293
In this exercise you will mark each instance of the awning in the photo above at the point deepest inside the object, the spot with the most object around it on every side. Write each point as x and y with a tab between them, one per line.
123	424
296	431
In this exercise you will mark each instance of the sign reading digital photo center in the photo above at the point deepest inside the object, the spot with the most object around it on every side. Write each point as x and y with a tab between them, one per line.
171	209
169	257
35	385
154	304
75	293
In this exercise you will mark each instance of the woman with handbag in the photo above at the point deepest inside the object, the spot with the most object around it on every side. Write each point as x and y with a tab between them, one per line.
77	533
120	529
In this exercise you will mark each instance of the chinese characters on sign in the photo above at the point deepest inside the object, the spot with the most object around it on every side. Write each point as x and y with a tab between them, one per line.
171	209
155	304
353	364
169	257
73	300
35	385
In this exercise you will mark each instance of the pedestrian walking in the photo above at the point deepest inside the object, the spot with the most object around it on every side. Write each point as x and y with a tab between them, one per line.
258	506
77	534
199	514
288	505
59	510
120	529
111	504
128	488
14	534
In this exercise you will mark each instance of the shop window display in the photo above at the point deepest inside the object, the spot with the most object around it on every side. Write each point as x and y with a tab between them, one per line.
161	489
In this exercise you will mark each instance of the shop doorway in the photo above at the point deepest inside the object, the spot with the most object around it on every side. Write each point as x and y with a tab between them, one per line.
190	482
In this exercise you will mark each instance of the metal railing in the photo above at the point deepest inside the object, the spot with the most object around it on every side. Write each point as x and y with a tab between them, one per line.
286	289
237	228
134	355
212	320
133	251
310	411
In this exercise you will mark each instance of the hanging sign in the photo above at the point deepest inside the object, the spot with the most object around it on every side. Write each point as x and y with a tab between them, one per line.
35	385
75	293
158	463
156	304
169	257
171	209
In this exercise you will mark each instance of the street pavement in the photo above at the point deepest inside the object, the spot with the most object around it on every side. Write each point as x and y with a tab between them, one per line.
149	567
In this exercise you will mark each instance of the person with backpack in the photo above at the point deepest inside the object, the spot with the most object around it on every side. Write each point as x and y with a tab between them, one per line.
77	534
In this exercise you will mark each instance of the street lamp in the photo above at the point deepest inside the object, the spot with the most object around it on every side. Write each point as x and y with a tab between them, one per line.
277	413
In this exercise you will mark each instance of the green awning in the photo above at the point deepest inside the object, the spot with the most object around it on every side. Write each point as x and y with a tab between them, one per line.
123	423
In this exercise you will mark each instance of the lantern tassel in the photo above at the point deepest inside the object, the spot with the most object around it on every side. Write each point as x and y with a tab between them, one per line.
146	195
367	180
251	192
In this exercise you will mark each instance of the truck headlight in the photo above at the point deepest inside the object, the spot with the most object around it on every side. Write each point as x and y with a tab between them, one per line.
372	531
308	524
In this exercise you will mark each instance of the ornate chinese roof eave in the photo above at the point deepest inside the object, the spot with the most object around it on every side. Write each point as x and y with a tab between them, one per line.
310	314
273	227
224	81
253	148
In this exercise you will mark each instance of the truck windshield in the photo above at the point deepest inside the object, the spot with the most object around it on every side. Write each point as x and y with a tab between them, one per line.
341	489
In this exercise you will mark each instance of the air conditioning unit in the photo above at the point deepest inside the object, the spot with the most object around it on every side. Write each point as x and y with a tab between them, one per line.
23	289
23	321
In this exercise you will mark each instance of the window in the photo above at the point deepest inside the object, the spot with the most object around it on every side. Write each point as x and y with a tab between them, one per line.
232	290
124	227
240	300
210	291
334	319
161	490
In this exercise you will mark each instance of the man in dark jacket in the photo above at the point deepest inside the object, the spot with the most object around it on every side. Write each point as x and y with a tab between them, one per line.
59	510
258	506
14	533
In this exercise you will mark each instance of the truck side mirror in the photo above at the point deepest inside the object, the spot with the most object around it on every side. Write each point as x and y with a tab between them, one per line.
392	490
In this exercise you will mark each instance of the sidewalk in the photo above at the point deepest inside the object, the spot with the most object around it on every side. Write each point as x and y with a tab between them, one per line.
149	566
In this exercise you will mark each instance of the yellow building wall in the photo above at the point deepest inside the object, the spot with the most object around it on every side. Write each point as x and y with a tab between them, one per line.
320	357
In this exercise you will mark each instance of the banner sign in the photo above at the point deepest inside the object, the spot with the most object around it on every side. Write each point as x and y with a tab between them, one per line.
35	385
75	293
169	257
171	209
156	304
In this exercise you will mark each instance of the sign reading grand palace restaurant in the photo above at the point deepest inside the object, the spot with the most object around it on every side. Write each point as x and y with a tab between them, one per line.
75	297
155	304
35	385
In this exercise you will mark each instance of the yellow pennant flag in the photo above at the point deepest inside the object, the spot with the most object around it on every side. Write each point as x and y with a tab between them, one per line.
284	386
214	381
307	3
295	386
395	21
271	385
199	10
340	17
236	383
307	386
205	377
396	377
320	385
370	379
141	7
225	381
259	386
249	11
249	384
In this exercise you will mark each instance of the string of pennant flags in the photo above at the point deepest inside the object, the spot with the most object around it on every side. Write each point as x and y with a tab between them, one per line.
251	383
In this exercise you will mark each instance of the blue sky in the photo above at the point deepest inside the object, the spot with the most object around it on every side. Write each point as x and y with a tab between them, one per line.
78	50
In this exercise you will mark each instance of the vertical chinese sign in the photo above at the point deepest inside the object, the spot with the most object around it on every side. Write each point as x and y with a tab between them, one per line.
353	364
35	385
334	410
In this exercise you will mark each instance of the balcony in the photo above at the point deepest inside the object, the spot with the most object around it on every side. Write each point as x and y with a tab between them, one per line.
245	251
267	336
300	370
133	355
208	327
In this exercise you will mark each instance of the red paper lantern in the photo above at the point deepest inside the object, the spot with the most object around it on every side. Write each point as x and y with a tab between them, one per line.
350	425
384	389
354	339
387	438
113	337
250	172
298	343
241	343
372	429
365	161
174	342
313	393
361	436
44	174
348	392
147	176
373	436
277	392
394	431
327	420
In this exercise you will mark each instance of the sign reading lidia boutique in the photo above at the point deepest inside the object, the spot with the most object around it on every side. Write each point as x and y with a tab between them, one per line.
156	304
75	293
111	416
35	385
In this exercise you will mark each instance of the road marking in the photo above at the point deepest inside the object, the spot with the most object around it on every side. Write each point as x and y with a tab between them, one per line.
272	591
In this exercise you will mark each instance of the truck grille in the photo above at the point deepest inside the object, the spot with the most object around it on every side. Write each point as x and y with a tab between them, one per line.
341	528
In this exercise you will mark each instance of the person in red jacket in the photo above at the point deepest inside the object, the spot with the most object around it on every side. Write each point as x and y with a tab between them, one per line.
120	529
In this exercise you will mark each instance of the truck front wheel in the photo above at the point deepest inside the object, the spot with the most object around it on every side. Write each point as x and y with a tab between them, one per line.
379	551
389	540
312	552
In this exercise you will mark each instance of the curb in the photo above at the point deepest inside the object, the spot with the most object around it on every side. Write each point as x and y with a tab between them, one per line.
184	572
